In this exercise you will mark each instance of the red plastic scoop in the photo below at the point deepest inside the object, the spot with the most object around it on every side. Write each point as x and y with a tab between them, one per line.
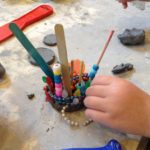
36	14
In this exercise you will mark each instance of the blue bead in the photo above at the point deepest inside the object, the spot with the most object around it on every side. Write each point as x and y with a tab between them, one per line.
95	67
83	89
57	79
93	71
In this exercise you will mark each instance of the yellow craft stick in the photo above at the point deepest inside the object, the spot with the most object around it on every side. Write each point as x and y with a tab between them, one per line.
62	52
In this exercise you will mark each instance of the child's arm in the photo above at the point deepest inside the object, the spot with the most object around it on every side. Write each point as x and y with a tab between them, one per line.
119	104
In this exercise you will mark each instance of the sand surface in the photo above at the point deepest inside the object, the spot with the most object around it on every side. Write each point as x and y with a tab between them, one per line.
30	125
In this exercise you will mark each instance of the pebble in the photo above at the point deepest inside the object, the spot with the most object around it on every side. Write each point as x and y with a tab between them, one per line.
122	68
132	36
47	54
50	40
2	71
31	96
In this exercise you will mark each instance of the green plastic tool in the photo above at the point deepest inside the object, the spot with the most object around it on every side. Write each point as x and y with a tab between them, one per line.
31	50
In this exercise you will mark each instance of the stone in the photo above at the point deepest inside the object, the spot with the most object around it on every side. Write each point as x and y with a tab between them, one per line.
132	36
31	96
50	40
47	54
2	71
122	68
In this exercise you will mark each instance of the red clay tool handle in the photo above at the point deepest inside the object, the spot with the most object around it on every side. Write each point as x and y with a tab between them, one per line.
33	16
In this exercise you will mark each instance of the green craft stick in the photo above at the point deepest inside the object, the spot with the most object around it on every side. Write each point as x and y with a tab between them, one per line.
31	50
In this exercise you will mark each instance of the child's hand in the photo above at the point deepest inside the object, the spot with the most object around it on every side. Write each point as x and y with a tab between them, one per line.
125	2
118	104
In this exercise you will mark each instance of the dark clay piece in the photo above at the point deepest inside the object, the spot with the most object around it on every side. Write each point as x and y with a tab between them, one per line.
132	37
47	54
71	108
122	68
2	71
50	40
31	96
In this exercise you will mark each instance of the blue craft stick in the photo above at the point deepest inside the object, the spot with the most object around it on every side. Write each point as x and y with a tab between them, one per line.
31	50
111	145
93	71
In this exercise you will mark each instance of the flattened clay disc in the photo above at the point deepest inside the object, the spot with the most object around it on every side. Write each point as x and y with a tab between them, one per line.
50	40
47	54
71	108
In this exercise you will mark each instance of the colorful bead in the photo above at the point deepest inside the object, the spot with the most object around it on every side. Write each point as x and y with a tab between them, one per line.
85	78
77	92
58	93
50	84
57	79
93	71
83	90
44	79
74	82
58	89
75	101
64	93
58	85
57	69
73	88
88	83
74	74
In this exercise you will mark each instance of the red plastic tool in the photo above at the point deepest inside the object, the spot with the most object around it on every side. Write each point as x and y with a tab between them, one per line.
34	15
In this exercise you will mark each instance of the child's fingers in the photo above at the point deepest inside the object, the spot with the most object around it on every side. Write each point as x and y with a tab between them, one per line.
97	90
124	3
95	103
97	116
102	80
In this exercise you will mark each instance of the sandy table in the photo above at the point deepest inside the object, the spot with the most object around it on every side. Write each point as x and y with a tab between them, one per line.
34	124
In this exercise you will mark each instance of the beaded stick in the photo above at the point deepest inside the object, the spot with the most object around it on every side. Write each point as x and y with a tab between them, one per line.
96	66
57	79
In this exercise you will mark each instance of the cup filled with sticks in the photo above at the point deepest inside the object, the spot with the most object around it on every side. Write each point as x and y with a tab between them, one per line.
68	92
66	83
58	95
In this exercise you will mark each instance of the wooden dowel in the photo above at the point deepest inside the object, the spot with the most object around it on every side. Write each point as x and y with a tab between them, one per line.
105	47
